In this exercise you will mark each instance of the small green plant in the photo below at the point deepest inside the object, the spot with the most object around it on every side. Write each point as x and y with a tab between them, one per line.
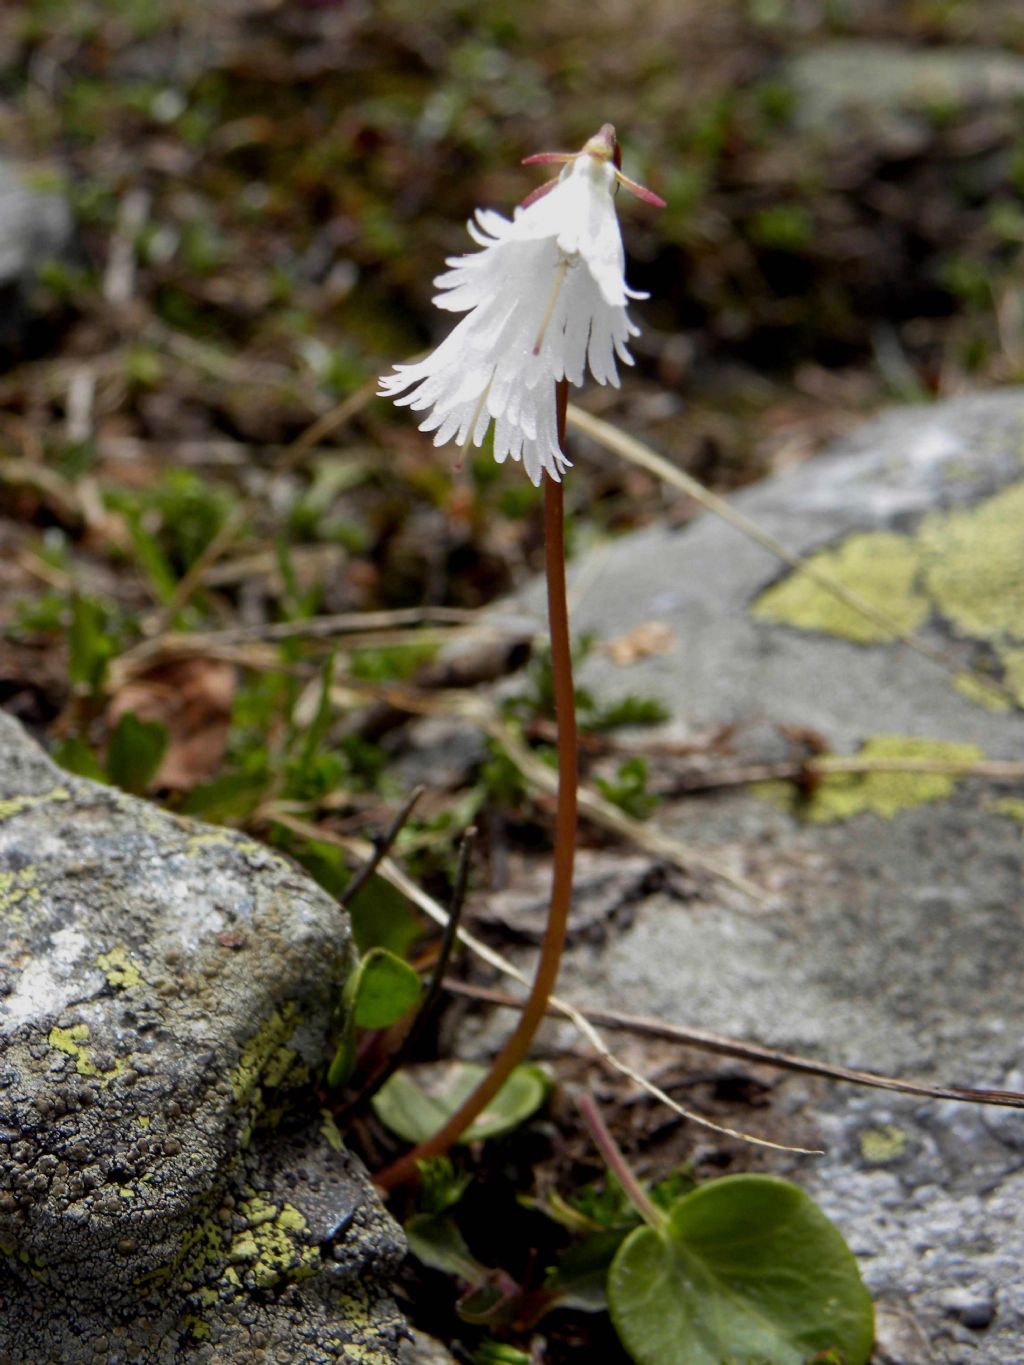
416	1104
628	790
378	993
92	642
535	699
746	1268
134	753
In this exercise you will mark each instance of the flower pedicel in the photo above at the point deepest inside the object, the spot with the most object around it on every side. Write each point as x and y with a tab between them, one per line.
543	299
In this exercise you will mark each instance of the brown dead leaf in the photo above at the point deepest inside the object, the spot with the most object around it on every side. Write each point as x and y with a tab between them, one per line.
650	637
192	698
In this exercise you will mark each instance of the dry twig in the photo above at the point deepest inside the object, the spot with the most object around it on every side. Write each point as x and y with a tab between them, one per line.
753	1052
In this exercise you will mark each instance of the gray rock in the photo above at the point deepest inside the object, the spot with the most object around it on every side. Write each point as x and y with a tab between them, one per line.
729	666
36	227
894	940
894	93
166	1194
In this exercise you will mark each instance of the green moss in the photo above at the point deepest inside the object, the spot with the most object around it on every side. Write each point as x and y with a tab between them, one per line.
119	969
975	567
840	796
881	567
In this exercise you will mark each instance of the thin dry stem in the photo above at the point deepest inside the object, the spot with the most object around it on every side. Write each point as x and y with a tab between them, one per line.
382	847
704	1041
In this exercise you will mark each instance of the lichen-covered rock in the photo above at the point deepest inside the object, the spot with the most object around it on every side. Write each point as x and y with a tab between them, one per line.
893	943
919	512
166	990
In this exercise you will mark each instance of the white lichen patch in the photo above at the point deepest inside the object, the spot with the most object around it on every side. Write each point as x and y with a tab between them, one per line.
51	980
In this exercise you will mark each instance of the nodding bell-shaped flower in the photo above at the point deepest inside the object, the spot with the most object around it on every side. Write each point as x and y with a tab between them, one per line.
544	299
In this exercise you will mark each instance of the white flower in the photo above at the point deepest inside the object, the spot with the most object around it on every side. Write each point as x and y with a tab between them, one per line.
544	299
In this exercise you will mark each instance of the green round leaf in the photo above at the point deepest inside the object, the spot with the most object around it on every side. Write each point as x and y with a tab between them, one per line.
747	1270
417	1101
385	989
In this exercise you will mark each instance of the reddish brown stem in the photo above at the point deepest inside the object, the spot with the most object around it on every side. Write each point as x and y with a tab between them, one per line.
518	1045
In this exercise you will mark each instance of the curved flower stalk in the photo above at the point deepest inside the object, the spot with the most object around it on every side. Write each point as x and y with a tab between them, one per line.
544	299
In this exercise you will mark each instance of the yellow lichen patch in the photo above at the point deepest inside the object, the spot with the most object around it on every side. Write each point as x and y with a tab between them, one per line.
880	567
1010	806
14	805
839	796
196	1327
975	566
265	1052
1013	671
35	1264
267	1064
879	1146
72	1042
361	1352
274	1246
976	689
17	891
965	566
119	969
202	1245
362	1324
222	838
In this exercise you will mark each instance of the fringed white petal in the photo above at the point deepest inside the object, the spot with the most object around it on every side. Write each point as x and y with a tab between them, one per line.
544	299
